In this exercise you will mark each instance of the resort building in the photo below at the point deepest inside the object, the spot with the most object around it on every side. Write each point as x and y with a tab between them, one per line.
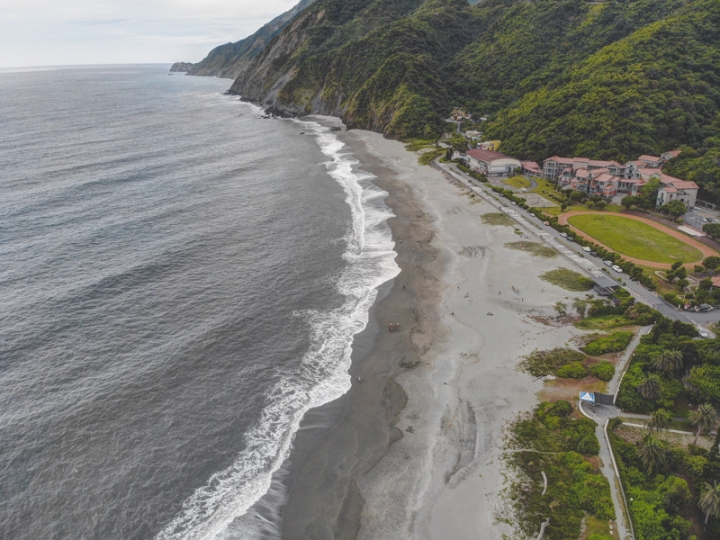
609	178
531	168
491	163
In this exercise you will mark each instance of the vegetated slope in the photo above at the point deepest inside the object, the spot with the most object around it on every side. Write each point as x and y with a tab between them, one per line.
652	91
377	63
227	60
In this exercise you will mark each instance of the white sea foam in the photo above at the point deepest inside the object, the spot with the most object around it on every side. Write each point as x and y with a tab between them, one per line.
324	377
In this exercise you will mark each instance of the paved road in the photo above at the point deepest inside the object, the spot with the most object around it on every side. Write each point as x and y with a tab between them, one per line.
572	251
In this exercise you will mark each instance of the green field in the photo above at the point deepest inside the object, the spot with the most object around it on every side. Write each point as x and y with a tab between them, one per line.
518	182
635	238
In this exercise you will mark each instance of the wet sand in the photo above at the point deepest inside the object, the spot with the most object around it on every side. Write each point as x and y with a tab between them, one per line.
414	450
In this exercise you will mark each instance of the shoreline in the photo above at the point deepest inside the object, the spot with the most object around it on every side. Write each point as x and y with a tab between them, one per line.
415	449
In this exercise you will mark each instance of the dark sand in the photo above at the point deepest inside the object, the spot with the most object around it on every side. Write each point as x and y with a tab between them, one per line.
324	500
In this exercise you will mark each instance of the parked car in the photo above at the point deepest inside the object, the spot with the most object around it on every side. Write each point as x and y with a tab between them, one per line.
563	234
705	308
587	248
608	263
593	254
570	239
617	268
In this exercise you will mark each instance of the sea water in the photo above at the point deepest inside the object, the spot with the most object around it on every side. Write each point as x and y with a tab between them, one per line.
180	281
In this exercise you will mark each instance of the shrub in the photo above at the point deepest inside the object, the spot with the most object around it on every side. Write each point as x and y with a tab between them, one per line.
541	363
615	342
603	370
573	370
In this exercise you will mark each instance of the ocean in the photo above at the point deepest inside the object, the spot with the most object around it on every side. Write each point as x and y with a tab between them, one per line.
180	281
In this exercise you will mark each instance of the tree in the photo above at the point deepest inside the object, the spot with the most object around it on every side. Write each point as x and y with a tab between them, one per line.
653	453
667	361
632	200
561	309
713	229
674	209
702	418
710	500
712	262
676	265
705	284
682	283
698	269
650	387
649	193
659	420
681	272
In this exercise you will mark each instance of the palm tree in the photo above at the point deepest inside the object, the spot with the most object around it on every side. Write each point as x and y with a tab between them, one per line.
668	361
650	387
659	420
702	418
561	309
710	500
652	452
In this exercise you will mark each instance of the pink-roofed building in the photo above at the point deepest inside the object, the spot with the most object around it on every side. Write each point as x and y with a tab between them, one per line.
667	156
609	178
674	189
651	161
531	168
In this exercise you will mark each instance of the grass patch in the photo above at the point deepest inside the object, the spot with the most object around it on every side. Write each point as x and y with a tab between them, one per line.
414	145
541	363
605	322
635	238
568	279
428	157
518	182
534	248
497	219
615	342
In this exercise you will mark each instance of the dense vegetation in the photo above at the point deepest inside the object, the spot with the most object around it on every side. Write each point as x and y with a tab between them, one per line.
611	80
553	441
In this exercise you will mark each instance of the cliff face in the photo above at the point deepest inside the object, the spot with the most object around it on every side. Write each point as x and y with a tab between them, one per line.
230	60
181	67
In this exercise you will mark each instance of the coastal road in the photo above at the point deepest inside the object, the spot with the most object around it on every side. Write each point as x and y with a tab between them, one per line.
570	250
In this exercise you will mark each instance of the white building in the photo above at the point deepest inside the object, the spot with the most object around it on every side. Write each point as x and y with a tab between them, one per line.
492	163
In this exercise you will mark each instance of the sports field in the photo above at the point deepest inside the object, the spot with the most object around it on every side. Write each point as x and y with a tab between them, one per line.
634	238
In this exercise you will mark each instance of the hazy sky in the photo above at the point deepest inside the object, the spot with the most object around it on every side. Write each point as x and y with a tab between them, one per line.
57	32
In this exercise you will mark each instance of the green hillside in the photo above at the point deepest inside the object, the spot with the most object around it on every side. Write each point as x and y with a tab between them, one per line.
609	80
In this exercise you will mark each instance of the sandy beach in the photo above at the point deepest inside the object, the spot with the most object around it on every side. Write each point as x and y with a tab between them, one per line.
414	450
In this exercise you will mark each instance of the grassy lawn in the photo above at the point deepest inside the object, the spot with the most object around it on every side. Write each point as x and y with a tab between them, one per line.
556	211
518	182
635	238
543	185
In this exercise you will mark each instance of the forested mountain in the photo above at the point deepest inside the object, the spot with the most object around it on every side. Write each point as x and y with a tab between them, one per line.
604	79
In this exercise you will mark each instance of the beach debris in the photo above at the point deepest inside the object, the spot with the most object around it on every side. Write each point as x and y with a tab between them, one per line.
410	429
452	313
467	295
490	313
358	379
394	327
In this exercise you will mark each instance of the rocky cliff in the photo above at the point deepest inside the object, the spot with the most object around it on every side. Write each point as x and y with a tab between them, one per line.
181	67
